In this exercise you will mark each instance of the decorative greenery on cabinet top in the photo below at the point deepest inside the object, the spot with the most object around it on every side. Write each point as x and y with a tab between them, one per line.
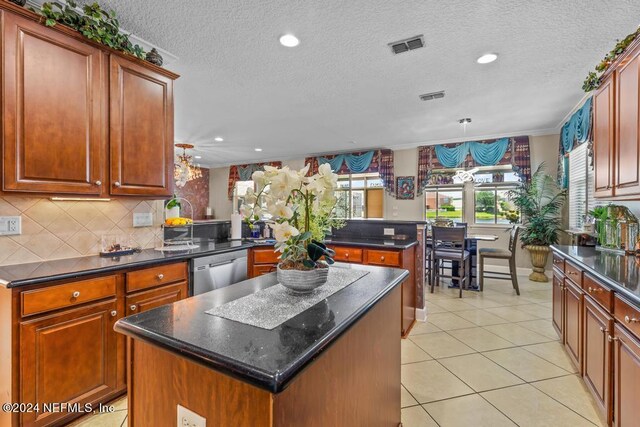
94	23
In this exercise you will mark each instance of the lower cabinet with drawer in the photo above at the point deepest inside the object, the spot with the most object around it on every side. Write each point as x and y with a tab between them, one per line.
63	348
603	340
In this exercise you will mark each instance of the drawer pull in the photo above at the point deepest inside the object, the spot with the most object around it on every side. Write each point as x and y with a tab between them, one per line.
382	258
611	339
113	313
346	255
603	329
133	307
592	290
160	276
76	294
631	319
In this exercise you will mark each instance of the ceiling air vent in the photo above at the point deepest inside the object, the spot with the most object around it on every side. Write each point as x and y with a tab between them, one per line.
432	95
407	44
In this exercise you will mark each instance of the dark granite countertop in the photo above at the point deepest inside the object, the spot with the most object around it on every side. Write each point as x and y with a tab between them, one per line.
16	275
621	273
379	243
269	359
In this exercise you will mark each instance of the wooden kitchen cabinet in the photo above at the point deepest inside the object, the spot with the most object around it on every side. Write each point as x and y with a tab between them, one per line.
141	130
626	378
54	97
68	356
573	299
627	145
146	300
558	303
106	115
598	325
604	137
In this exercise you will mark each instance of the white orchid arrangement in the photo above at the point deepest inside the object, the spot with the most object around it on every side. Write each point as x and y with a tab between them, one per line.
301	209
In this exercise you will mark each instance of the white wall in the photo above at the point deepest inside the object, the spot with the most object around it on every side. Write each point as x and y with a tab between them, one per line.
405	163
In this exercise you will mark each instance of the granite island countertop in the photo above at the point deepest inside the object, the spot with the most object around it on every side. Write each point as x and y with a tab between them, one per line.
620	272
269	359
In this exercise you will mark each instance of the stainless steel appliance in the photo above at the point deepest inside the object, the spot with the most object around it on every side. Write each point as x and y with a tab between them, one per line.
217	271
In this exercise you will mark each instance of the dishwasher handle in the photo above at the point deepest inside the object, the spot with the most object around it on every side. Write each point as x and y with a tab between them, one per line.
218	264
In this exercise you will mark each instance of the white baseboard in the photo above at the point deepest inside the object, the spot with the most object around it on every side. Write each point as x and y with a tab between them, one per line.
421	314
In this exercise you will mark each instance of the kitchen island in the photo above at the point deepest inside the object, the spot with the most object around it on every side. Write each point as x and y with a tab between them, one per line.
336	363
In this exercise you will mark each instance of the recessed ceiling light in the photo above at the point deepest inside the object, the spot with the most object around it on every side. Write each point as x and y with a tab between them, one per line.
218	138
289	40
198	157
487	58
258	149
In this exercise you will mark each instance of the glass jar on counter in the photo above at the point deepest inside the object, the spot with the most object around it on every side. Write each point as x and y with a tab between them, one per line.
631	237
612	237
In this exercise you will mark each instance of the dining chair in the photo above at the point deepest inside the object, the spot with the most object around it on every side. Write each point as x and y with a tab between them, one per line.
494	253
449	245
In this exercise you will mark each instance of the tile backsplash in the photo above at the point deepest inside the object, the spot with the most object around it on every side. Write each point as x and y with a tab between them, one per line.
67	229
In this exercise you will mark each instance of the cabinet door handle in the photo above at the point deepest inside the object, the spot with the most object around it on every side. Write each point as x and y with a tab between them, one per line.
98	183
76	294
611	339
113	313
592	290
133	307
631	319
603	329
116	184
160	276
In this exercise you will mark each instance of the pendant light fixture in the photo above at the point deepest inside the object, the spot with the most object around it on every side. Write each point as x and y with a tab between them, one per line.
184	170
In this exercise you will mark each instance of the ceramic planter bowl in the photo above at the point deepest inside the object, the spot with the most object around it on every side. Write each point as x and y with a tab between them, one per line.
302	281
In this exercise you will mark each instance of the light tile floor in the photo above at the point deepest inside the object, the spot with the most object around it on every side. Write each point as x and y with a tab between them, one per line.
491	359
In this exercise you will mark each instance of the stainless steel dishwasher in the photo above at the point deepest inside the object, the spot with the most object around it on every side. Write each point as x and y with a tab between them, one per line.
217	271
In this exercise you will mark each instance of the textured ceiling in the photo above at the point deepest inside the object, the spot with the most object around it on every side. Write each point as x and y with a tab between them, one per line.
342	83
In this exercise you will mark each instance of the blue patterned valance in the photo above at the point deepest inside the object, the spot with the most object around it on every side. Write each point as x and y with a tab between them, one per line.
357	163
576	131
484	153
578	128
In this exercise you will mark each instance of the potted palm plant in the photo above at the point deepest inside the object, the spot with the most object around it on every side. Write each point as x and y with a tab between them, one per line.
540	201
301	210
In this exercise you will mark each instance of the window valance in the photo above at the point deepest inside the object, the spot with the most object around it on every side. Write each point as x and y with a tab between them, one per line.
576	131
244	172
468	155
372	161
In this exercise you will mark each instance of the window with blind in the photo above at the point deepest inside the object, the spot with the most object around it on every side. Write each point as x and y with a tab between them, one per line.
581	185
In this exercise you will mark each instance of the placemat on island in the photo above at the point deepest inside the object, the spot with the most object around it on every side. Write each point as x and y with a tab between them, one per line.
271	307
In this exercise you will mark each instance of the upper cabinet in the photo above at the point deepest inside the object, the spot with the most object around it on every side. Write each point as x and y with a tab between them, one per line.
79	118
603	138
53	115
141	111
616	129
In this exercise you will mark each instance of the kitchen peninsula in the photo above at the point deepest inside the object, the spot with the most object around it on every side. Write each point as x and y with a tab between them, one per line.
336	363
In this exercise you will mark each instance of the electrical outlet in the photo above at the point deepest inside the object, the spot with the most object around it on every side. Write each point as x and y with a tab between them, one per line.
187	418
10	225
143	219
389	232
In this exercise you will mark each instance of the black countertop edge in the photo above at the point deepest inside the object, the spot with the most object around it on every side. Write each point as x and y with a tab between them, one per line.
259	378
118	266
632	297
372	243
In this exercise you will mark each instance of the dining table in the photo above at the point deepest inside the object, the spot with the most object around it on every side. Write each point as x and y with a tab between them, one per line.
471	245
